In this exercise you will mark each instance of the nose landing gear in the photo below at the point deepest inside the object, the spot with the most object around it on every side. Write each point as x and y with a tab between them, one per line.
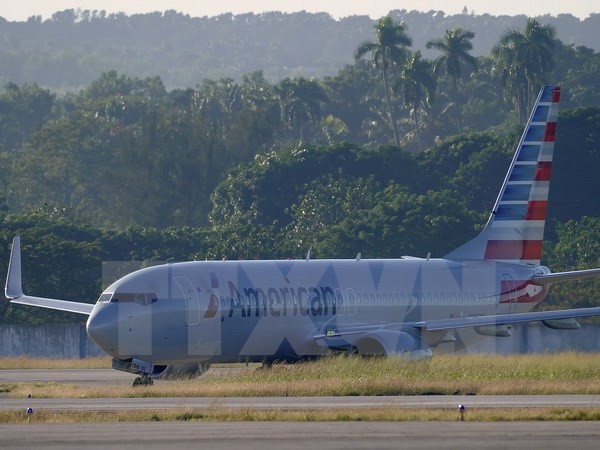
139	367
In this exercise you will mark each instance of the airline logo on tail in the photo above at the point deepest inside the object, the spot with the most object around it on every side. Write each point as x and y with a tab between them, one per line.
515	231
524	200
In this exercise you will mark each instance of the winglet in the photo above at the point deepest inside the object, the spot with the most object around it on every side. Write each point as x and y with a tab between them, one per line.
14	287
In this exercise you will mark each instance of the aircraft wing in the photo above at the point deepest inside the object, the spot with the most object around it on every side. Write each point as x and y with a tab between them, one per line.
50	303
465	322
559	277
505	319
341	339
401	334
13	289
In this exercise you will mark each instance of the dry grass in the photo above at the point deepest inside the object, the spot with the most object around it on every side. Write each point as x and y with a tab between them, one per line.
26	362
362	414
333	387
566	373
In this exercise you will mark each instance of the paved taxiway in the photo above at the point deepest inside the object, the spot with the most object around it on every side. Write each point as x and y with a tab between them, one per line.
303	435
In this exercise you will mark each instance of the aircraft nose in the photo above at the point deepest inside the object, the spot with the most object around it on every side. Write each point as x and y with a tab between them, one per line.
102	328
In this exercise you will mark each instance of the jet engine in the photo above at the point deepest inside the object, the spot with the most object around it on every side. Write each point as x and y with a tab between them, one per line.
392	342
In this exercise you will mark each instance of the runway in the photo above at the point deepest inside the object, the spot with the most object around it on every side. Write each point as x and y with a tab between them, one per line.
303	435
284	435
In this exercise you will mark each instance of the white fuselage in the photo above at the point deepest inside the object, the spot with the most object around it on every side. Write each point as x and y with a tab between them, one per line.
253	310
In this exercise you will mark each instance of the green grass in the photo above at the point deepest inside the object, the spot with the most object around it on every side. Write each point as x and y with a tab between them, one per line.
362	414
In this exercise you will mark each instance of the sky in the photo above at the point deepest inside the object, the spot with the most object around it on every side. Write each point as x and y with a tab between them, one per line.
19	10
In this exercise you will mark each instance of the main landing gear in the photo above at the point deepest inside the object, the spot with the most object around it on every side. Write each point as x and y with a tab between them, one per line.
143	380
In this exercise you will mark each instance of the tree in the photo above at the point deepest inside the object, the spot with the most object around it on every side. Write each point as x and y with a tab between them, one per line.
575	184
577	247
455	47
584	78
256	201
327	202
417	86
61	168
339	218
523	60
389	49
219	100
23	110
352	96
302	103
110	84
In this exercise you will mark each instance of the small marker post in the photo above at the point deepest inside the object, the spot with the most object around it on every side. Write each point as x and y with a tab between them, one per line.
461	410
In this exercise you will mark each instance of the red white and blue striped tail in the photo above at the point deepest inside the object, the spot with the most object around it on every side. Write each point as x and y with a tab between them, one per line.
515	230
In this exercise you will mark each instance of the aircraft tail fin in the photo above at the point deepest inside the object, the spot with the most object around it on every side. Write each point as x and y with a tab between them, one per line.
515	230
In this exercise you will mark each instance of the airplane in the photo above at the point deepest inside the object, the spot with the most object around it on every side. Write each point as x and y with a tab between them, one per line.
181	317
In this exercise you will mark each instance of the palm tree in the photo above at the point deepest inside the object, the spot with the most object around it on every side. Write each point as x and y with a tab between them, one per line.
301	102
389	48
455	47
524	59
416	85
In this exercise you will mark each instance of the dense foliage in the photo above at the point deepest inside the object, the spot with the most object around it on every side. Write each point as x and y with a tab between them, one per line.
366	160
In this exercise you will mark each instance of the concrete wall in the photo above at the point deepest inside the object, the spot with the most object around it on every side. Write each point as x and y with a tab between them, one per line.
48	341
537	338
72	341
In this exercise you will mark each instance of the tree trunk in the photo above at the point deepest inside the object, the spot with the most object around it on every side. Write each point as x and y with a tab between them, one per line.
457	104
389	105
416	113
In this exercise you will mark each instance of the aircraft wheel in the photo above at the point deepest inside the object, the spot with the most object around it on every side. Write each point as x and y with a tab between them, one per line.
143	380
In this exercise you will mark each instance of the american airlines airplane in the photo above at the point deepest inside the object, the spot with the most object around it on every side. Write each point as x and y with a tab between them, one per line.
182	317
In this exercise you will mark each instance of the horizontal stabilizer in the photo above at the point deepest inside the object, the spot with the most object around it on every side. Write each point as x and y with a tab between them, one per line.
559	277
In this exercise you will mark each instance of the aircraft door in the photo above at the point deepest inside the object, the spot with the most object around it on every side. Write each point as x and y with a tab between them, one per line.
202	319
192	302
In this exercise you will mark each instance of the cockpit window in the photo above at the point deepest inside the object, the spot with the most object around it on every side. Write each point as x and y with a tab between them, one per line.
123	297
142	298
105	298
